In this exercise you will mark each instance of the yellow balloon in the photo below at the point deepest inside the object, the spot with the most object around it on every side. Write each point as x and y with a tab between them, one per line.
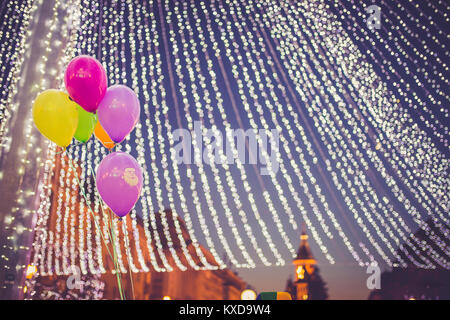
56	116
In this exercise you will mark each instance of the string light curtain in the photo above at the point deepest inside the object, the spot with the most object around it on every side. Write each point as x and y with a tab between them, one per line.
363	154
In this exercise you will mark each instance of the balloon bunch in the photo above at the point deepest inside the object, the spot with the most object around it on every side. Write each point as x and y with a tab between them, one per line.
89	106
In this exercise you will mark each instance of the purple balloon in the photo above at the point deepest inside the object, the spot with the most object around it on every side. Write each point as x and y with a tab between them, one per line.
119	112
119	182
86	82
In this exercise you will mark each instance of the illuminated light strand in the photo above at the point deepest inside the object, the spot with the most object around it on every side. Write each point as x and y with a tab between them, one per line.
363	227
93	251
205	184
66	251
402	37
165	225
275	218
146	189
230	180
317	189
342	156
84	208
427	52
73	195
94	147
419	172
97	46
51	153
26	152
10	78
166	265
440	243
154	225
413	191
42	213
77	218
113	72
252	90
261	44
236	11
97	209
177	226
86	178
207	103
91	148
87	182
192	181
434	188
137	132
436	9
151	214
361	185
60	244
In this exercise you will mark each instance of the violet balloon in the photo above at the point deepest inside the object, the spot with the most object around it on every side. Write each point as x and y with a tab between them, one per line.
119	182
119	112
86	82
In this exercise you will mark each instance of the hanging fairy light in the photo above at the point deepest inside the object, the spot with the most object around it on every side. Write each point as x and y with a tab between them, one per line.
359	145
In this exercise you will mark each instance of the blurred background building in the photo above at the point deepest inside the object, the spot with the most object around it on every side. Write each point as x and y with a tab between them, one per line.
189	284
307	283
413	283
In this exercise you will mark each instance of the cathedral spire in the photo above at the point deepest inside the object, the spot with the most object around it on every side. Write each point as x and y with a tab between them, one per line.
304	266
304	252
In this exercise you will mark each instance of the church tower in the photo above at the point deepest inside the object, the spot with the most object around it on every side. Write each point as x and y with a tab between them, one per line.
304	264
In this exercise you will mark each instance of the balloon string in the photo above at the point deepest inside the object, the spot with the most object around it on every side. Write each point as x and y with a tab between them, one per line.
125	232
113	243
97	226
115	260
111	236
90	209
118	274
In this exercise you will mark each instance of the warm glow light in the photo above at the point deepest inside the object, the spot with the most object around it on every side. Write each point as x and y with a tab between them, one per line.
31	270
167	298
305	297
248	294
300	272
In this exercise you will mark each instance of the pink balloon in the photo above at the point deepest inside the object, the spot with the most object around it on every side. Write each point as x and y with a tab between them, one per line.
86	82
119	182
119	112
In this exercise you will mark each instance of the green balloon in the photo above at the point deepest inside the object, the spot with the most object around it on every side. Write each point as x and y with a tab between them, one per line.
86	125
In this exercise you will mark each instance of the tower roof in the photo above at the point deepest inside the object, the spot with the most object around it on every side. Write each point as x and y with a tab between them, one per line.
304	252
